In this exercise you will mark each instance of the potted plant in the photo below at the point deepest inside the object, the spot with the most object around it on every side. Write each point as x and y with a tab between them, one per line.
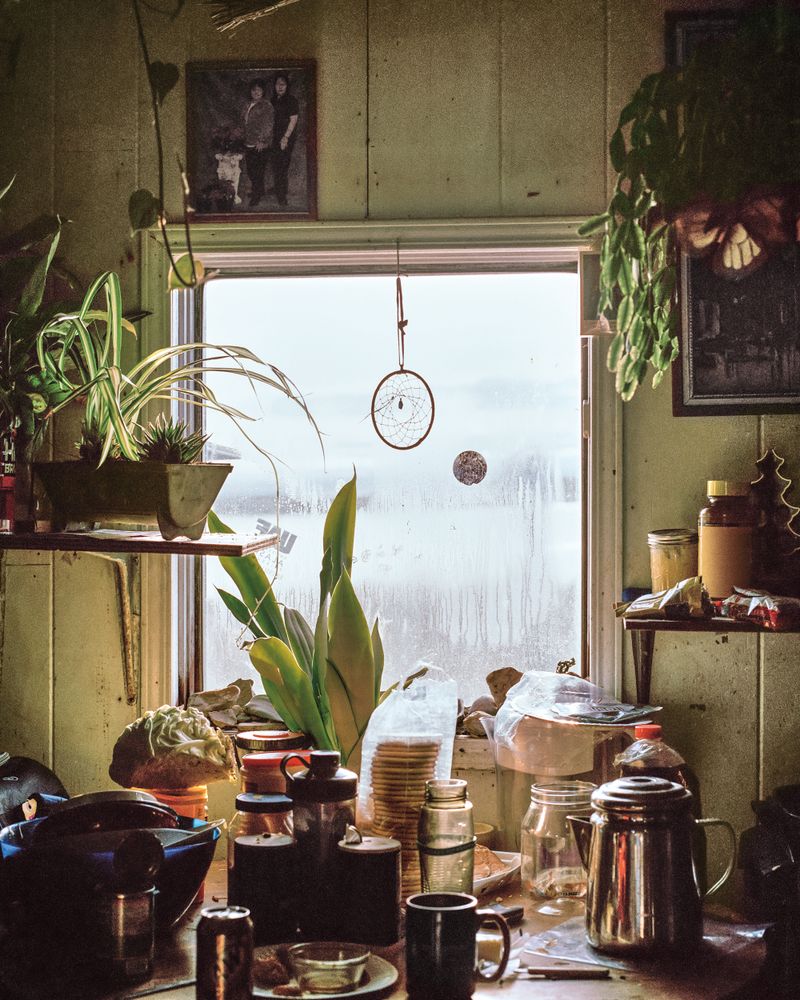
706	157
130	472
325	682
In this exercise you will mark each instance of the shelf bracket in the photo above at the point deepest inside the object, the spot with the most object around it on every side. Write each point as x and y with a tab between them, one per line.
643	642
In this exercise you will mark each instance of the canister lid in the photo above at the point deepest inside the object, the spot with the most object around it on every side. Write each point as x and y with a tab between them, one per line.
267	739
641	794
223	916
672	536
445	789
248	843
369	845
322	781
727	488
253	802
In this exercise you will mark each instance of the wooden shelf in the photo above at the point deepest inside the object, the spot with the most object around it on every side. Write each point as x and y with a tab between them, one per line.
699	625
146	542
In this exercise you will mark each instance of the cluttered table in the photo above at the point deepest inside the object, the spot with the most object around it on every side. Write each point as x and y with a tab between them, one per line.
717	972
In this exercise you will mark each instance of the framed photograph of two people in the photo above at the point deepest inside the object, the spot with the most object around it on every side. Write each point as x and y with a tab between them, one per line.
251	138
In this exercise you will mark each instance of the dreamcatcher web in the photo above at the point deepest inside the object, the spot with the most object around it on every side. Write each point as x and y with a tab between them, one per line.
402	404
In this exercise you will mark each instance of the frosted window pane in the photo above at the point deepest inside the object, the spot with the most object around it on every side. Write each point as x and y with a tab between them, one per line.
469	578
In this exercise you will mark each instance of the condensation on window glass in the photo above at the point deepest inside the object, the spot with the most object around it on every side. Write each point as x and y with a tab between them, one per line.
466	577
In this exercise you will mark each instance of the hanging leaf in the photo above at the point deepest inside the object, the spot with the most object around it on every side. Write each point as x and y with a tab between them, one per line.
187	273
616	149
143	210
33	292
163	77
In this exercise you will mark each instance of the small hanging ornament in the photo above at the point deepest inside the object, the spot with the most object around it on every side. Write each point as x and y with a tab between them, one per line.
469	467
403	407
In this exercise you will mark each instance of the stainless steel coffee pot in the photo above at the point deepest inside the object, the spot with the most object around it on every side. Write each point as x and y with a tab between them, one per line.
643	895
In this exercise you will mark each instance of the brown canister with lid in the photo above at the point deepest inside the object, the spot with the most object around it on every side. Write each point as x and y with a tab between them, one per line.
726	528
368	873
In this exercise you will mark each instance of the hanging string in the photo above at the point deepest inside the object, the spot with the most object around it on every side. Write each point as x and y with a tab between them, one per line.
402	322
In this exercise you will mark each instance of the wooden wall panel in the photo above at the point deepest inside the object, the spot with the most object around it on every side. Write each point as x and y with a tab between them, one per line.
26	667
90	710
552	108
433	109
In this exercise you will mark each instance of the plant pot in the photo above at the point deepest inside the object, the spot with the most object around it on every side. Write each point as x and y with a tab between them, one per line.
176	497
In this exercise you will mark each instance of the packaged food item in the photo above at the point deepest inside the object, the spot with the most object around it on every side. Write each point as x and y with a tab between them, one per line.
687	599
172	748
726	528
770	611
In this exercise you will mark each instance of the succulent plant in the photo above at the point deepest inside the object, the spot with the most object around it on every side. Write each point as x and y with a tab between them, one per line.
169	440
90	446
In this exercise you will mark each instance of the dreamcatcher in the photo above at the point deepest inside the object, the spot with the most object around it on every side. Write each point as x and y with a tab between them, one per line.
402	404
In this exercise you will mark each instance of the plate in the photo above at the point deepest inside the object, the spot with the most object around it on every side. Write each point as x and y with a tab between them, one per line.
488	882
382	975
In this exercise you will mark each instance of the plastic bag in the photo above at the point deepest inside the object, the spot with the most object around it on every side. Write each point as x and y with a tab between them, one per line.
413	726
530	737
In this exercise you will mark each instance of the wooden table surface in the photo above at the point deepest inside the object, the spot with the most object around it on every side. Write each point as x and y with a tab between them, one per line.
706	980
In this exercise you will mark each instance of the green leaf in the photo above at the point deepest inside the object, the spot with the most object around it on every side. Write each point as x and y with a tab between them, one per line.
239	611
593	224
338	538
377	655
638	249
33	292
615	350
625	313
625	276
163	77
4	191
301	638
143	210
616	149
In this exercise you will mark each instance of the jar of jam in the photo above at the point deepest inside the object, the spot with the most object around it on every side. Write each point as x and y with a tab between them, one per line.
726	529
261	772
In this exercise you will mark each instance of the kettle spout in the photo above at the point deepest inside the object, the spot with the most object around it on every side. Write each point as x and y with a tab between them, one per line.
582	828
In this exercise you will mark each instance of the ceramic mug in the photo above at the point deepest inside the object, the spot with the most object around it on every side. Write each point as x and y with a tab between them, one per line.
441	952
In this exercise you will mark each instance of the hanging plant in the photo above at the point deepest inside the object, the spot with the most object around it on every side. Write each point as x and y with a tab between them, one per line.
708	161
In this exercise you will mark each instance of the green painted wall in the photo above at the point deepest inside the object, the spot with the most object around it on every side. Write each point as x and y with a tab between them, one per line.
426	109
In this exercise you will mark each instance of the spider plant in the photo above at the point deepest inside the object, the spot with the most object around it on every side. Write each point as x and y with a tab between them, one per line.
80	352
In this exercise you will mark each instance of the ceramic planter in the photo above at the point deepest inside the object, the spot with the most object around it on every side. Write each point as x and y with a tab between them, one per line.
176	497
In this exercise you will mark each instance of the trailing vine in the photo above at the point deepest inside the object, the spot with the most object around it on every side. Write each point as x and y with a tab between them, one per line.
708	162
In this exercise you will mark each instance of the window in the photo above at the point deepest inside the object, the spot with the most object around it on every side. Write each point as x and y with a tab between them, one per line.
468	578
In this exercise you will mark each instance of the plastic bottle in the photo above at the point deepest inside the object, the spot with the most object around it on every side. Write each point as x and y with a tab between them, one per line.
650	755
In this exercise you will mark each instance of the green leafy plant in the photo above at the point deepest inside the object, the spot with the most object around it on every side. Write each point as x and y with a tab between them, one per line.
170	440
80	353
325	682
706	158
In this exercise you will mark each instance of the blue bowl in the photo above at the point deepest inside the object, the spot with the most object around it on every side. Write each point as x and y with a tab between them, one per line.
44	881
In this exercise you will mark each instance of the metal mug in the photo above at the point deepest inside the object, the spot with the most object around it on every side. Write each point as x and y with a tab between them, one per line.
643	895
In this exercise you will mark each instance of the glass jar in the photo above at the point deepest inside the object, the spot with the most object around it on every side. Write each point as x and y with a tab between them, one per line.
261	772
726	529
446	837
259	814
552	872
673	556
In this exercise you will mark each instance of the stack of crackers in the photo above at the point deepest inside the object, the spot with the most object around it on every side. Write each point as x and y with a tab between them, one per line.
400	768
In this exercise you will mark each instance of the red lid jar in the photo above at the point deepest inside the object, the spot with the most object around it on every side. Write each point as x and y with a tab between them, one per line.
261	772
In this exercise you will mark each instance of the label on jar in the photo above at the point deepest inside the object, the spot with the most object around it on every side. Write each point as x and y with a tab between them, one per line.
725	558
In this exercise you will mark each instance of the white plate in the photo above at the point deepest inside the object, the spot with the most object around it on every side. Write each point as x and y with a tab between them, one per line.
488	882
382	975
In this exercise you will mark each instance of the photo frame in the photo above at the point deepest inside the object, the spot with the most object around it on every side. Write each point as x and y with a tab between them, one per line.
252	140
738	350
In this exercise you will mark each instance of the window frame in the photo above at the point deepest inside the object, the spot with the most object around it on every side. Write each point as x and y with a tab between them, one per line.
173	628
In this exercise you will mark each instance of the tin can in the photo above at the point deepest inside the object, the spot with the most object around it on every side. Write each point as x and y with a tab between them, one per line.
224	954
368	871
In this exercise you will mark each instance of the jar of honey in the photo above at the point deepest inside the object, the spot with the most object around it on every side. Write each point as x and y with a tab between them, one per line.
726	528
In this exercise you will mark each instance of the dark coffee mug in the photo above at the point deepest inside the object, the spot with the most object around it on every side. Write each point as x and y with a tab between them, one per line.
441	952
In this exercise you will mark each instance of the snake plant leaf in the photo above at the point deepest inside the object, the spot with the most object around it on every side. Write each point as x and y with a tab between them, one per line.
33	292
254	587
301	638
240	612
350	653
377	655
273	659
319	672
338	536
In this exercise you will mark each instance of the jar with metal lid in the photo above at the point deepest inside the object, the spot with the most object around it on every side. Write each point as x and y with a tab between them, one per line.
673	556
261	772
368	872
726	529
259	814
446	837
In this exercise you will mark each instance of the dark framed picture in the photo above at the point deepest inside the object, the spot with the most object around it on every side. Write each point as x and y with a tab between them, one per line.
739	341
251	140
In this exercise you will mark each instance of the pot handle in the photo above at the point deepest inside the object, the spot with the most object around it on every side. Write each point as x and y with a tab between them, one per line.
732	862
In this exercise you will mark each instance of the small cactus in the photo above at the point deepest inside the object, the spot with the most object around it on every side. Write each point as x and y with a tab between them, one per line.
169	440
